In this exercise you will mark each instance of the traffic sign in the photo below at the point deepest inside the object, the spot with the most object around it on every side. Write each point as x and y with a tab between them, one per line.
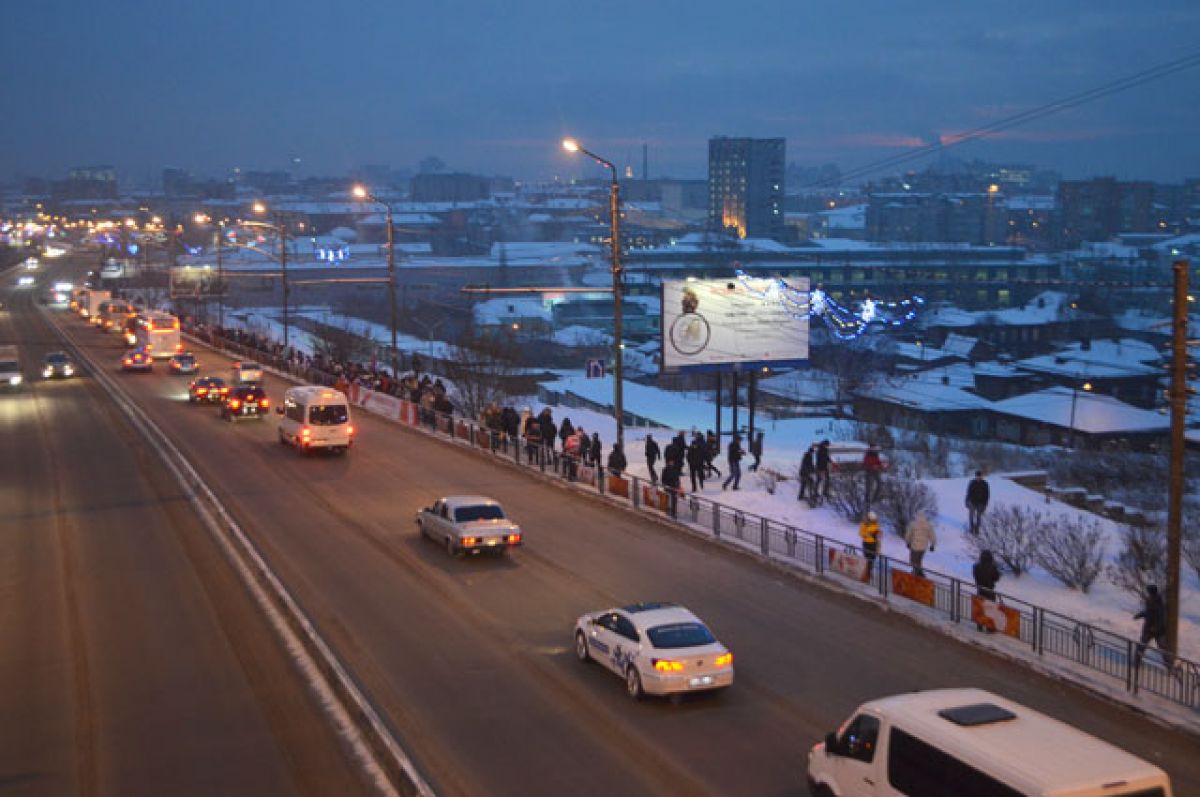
595	369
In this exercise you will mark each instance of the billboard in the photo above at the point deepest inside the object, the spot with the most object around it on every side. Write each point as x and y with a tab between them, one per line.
195	282
738	322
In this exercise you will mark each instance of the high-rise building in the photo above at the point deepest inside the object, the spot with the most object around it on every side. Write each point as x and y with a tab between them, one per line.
745	186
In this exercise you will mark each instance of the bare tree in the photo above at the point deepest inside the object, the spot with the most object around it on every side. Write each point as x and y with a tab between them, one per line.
901	499
1072	550
1011	533
478	366
1191	546
853	365
1142	560
848	495
342	342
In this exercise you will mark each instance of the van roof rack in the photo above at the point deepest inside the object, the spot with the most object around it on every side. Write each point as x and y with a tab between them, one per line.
976	714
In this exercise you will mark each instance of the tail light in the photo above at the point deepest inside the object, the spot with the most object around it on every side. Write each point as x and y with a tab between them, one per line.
306	433
128	361
234	403
469	542
266	402
666	665
200	391
224	390
350	431
178	346
724	660
513	539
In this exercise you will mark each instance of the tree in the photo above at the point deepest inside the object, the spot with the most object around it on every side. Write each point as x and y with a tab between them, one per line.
1072	550
342	342
1141	561
1011	533
853	365
479	366
901	499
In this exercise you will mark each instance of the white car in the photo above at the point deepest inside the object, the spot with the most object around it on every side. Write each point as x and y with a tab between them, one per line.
469	524
658	648
246	372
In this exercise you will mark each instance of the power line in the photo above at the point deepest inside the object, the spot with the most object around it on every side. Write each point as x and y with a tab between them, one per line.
1113	87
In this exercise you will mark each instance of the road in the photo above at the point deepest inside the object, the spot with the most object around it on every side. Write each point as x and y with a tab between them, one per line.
131	659
470	660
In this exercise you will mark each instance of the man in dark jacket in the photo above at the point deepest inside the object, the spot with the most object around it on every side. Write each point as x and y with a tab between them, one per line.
565	430
676	451
823	463
978	494
1154	626
596	450
616	460
986	575
697	454
652	455
714	451
670	480
734	458
756	450
808	467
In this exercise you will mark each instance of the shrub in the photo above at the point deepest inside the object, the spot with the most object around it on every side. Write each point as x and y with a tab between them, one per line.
1072	550
1142	560
901	499
1191	546
848	495
1011	533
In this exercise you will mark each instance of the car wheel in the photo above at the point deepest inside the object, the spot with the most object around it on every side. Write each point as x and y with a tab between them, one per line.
191	399
282	438
581	648
450	549
633	683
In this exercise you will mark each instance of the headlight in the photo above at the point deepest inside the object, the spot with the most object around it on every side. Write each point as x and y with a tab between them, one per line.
46	373
14	380
68	370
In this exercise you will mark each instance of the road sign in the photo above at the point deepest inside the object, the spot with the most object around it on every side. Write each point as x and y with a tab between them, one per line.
595	369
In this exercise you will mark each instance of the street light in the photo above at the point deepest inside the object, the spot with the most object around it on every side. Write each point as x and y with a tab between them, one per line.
362	193
614	210
280	230
1075	387
219	239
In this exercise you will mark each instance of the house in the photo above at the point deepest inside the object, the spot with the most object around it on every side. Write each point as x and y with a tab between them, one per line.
1061	416
941	401
1124	368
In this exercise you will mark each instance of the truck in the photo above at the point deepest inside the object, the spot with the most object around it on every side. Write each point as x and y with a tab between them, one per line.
89	303
10	368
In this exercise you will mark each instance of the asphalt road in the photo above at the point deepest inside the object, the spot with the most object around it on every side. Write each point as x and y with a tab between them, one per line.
131	659
471	662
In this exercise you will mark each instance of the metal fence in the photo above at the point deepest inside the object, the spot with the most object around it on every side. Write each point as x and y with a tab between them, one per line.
1046	633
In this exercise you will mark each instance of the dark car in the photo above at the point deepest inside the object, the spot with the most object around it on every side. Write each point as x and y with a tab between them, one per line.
58	364
137	360
207	390
184	363
248	401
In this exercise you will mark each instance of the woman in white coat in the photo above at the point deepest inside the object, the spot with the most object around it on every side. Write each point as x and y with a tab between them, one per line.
920	538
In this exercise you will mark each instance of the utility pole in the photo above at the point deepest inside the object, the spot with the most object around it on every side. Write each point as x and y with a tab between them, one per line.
219	232
614	207
281	228
1178	396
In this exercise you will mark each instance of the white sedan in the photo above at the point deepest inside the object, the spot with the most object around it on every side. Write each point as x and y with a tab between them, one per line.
658	648
468	524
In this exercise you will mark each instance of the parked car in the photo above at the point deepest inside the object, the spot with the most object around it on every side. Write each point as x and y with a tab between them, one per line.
469	524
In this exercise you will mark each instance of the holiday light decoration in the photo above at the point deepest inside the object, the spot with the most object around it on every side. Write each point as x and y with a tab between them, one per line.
844	322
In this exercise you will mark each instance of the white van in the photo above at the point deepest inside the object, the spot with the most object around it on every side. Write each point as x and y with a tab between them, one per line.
315	417
959	742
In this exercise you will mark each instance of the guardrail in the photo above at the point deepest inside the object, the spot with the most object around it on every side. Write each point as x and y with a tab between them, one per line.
1046	633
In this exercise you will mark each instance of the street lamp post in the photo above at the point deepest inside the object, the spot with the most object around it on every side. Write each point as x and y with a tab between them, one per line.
280	229
1075	386
218	240
362	193
614	211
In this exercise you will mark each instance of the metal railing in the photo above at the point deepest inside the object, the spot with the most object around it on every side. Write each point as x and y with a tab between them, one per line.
1046	633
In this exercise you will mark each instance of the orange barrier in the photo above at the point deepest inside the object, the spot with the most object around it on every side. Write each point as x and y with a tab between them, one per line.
996	616
912	587
849	565
618	486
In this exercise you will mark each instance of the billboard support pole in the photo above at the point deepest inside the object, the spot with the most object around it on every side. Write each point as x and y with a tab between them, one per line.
733	402
718	405
751	391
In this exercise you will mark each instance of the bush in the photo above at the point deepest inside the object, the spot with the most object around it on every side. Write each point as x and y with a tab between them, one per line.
1141	561
1011	533
901	499
1072	550
848	495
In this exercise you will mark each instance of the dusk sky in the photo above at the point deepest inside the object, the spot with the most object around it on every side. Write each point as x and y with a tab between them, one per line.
491	87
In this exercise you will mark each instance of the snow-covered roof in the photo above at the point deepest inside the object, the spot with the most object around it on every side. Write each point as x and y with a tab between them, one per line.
800	385
576	335
850	217
1102	359
1028	202
504	310
1088	412
1106	250
1044	308
939	389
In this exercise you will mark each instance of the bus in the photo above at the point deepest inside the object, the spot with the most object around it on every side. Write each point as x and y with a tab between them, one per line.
114	313
158	334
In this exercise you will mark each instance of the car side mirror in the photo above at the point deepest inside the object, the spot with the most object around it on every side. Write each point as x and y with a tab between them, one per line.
279	410
831	744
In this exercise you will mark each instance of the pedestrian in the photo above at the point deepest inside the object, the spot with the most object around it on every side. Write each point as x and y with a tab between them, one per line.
652	455
872	466
549	430
978	494
734	457
674	452
986	574
756	450
670	480
868	531
697	456
571	456
1154	627
585	446
714	451
807	468
823	464
596	450
616	460
533	437
920	537
566	431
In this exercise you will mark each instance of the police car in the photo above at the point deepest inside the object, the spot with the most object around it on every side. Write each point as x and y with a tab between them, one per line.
658	648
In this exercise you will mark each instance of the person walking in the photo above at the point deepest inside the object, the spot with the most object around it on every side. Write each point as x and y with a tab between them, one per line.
714	451
734	458
868	531
1154	627
756	450
823	463
920	537
697	456
616	460
808	468
565	430
872	466
652	455
978	494
675	452
596	449
986	574
670	480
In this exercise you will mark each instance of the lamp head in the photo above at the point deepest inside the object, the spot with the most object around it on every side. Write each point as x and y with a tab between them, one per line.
359	191
200	218
570	145
259	208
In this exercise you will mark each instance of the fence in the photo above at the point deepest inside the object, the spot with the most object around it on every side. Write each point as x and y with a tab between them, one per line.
1046	633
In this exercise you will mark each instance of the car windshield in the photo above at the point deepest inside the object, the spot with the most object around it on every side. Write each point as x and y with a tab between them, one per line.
184	358
328	415
57	359
250	367
680	635
464	514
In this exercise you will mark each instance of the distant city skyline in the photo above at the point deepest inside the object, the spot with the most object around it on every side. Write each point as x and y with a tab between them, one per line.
319	90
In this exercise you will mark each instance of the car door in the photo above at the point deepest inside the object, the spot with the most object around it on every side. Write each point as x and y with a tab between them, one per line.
626	649
430	519
856	765
603	639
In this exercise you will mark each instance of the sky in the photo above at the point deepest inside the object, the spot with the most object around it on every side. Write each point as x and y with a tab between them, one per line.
322	87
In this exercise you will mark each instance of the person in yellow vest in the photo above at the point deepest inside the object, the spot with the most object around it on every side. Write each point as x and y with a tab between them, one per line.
869	531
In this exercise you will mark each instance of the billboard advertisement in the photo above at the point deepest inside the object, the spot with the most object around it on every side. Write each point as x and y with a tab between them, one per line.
738	322
195	282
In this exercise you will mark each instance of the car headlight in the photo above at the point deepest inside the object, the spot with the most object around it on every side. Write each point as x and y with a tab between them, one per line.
14	380
68	370
46	373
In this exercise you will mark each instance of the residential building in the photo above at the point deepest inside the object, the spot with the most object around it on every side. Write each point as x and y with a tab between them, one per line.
746	186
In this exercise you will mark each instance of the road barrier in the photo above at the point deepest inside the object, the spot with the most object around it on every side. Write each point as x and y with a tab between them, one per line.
1046	633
